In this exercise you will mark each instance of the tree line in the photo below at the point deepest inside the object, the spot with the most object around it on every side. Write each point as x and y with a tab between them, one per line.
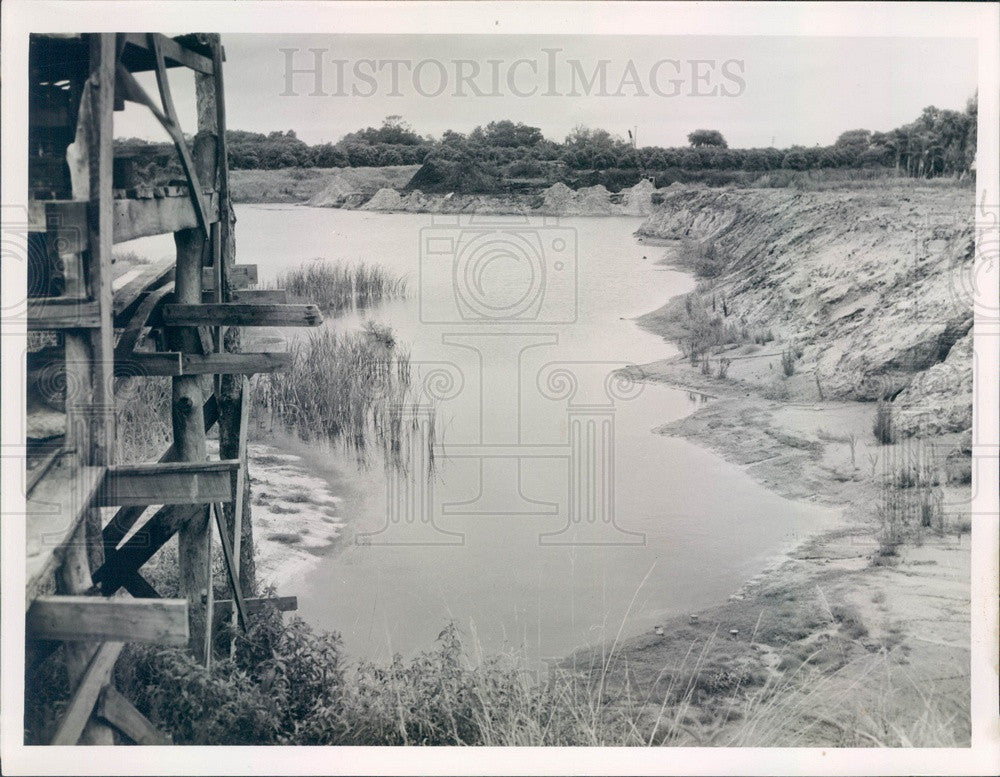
937	143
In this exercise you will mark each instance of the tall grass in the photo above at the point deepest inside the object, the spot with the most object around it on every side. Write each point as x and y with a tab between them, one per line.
351	388
142	419
338	286
288	684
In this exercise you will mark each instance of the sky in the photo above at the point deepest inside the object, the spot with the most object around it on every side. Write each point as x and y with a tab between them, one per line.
758	91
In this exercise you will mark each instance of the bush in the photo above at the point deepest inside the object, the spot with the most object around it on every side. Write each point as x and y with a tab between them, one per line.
788	362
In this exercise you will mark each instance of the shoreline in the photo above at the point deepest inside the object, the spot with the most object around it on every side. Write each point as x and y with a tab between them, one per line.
822	614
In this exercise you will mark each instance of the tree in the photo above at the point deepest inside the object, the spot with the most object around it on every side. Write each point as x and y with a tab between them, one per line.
508	134
703	137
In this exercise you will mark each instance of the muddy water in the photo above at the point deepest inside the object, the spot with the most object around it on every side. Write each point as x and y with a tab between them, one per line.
555	518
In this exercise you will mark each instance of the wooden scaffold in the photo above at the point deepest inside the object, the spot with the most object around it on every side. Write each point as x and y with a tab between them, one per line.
85	587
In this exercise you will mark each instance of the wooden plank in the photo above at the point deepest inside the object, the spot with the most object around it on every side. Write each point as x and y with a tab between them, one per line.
273	296
232	570
173	363
129	287
241	314
139	364
115	710
173	52
61	313
55	508
138	322
240	492
174	483
143	218
86	693
240	275
99	134
97	618
143	545
139	587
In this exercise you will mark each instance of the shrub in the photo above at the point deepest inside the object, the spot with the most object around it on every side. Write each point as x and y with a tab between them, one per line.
788	362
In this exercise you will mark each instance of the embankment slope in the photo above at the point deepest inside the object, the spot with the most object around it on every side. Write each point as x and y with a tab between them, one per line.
870	288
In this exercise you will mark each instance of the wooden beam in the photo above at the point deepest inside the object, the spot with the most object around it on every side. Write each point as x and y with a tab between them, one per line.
241	314
173	51
161	216
139	587
239	275
99	134
115	710
62	313
139	364
86	693
173	363
97	618
232	568
138	322
143	545
174	128
175	483
130	286
273	296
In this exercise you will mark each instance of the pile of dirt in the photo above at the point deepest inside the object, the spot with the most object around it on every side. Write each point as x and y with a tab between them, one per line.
867	289
638	200
350	187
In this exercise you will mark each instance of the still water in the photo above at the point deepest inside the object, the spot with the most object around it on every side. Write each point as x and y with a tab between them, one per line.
556	517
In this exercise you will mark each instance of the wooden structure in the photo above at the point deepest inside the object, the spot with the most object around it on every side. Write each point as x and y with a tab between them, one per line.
88	526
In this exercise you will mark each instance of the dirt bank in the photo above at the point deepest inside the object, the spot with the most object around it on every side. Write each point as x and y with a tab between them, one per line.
814	301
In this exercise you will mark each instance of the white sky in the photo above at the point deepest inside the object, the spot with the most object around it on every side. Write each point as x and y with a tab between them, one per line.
797	90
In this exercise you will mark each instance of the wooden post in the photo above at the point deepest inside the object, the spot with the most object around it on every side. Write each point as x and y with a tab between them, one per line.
234	393
90	416
195	538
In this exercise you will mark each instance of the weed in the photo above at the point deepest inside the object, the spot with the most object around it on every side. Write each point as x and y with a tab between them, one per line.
788	358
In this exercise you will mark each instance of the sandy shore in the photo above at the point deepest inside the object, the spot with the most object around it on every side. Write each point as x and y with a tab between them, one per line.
834	643
296	517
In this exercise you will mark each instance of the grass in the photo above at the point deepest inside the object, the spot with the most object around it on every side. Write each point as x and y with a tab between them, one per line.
350	388
289	684
338	286
142	419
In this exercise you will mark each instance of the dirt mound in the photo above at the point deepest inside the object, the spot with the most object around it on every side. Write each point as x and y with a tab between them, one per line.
384	199
865	286
352	186
638	200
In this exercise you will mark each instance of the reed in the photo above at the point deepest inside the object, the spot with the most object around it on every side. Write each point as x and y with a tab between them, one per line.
339	286
350	388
